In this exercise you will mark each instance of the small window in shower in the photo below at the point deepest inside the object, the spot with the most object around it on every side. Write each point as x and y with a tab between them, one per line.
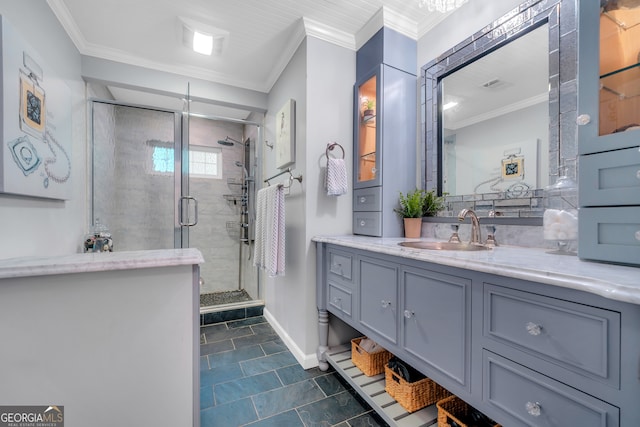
204	162
163	160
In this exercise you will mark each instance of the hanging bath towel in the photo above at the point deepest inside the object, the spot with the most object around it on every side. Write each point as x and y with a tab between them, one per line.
336	179
269	249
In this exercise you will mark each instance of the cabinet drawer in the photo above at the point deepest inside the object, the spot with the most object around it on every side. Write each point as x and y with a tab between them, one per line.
340	300
536	400
578	337
367	199
367	223
610	234
340	264
611	178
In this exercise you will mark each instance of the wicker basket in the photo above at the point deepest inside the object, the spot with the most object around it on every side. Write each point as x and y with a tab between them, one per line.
453	408
413	396
369	364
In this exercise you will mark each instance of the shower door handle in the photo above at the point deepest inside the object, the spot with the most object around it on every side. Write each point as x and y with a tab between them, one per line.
195	210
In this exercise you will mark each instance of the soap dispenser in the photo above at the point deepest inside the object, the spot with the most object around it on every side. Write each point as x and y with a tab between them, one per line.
560	220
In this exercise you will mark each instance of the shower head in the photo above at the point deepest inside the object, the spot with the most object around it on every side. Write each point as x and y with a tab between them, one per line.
228	141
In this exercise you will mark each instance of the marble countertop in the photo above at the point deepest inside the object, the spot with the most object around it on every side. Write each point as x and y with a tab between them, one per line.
100	261
615	282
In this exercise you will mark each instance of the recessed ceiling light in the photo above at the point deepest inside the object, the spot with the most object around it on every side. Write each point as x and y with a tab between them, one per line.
202	43
449	105
202	38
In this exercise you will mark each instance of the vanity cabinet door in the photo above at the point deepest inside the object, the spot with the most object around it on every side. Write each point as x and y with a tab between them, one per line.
437	324
379	297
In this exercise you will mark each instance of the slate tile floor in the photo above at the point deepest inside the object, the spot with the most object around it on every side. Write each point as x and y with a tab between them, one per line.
248	377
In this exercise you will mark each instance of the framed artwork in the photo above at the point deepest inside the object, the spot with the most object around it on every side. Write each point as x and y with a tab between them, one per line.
286	135
35	123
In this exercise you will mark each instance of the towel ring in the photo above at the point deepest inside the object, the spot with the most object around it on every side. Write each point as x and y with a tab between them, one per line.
331	146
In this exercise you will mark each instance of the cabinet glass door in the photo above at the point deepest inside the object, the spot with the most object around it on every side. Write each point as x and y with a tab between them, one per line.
619	68
367	160
608	76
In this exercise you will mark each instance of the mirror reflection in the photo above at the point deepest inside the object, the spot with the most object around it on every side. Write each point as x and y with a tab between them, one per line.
495	120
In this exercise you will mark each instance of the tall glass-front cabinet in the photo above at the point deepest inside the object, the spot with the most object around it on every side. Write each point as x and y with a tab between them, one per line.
609	131
384	131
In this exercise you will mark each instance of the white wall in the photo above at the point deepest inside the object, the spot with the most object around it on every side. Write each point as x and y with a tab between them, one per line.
323	94
31	226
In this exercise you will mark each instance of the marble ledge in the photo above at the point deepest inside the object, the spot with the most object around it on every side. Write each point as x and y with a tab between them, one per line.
616	282
94	262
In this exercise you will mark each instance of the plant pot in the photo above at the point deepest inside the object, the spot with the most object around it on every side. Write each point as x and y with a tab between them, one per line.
412	228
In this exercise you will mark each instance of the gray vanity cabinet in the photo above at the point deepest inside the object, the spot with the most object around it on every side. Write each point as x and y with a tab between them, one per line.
524	353
609	133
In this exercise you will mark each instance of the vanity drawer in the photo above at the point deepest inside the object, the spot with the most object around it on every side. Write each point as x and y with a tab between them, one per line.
339	300
367	223
577	337
532	399
340	264
610	234
611	178
367	199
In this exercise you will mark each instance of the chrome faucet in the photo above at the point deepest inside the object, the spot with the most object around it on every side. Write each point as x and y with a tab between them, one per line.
475	225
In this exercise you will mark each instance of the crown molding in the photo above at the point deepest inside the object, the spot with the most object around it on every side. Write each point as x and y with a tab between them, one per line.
61	12
329	34
389	18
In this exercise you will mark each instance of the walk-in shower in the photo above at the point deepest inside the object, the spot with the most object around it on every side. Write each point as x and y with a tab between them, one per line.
152	169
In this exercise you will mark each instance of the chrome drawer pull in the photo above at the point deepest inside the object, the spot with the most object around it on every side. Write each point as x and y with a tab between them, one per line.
385	304
363	223
337	301
364	199
533	409
637	235
638	174
409	314
534	329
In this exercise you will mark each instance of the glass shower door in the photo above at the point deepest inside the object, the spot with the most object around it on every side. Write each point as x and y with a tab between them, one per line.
134	181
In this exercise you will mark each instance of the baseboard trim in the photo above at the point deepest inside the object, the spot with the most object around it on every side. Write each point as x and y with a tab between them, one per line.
307	361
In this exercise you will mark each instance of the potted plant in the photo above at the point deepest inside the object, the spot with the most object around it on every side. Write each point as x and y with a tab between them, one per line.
411	210
369	111
432	203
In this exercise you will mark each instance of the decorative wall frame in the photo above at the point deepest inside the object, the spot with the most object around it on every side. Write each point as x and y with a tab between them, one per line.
286	135
35	146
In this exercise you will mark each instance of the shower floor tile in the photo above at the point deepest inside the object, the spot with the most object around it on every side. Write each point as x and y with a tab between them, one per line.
250	378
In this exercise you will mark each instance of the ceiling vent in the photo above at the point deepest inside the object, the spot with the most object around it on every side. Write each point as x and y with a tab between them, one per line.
493	83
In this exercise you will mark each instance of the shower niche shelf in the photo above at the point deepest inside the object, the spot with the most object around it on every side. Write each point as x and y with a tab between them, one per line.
232	197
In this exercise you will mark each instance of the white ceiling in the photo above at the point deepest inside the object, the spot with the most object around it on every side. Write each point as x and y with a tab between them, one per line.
263	34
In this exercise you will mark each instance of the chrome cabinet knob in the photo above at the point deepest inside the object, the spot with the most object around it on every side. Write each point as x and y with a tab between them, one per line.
534	329
363	223
638	174
533	409
385	304
637	235
363	199
409	314
583	119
